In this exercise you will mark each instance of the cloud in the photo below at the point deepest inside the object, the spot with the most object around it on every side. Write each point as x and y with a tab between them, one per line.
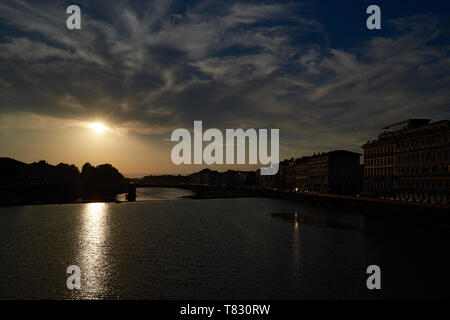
25	49
149	67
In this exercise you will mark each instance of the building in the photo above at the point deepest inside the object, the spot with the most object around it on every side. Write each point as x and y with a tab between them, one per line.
301	174
265	182
205	177
285	178
409	161
335	172
247	179
238	179
318	173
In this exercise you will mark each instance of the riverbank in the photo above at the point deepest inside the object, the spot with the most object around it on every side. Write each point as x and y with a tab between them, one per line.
57	194
421	212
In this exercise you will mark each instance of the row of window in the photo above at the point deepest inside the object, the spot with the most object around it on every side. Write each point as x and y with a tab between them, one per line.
380	161
411	158
409	184
373	172
379	151
408	171
318	177
423	171
424	184
379	185
424	157
421	142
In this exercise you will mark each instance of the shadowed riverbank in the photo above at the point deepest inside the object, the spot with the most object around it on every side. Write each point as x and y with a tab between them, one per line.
81	193
59	194
412	211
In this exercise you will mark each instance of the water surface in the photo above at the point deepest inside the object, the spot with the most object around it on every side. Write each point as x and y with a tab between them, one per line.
214	249
152	194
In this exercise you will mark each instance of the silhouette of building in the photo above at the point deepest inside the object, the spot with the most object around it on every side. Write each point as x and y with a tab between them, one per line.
301	174
335	172
410	161
247	178
205	177
288	175
265	182
233	178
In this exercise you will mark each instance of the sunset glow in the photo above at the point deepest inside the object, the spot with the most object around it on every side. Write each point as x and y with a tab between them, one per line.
98	128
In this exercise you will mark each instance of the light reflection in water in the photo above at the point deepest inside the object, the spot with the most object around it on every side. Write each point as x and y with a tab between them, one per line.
296	253
93	250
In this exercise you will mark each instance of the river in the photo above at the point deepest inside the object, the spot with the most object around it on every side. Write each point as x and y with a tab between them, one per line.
169	247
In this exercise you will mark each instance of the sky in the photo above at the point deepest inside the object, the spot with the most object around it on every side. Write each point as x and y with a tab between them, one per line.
312	69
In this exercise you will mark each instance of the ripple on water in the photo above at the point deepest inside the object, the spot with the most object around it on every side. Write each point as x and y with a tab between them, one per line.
301	219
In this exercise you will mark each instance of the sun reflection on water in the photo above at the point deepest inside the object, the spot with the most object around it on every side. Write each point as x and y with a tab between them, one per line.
93	250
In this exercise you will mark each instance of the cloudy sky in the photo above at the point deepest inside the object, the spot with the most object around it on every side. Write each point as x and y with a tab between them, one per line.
143	68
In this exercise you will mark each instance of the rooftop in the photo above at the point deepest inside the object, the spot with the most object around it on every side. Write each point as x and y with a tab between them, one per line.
406	124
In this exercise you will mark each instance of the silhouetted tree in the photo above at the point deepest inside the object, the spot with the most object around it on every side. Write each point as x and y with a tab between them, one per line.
87	173
104	173
66	173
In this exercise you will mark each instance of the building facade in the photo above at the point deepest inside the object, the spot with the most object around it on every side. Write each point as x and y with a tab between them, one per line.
301	174
335	172
409	161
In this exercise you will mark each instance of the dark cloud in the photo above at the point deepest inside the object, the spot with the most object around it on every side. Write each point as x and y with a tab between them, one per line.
163	64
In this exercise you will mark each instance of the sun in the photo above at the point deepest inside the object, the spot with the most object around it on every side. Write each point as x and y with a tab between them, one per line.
98	127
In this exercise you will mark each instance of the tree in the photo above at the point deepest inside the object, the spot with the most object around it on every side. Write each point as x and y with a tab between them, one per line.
104	173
